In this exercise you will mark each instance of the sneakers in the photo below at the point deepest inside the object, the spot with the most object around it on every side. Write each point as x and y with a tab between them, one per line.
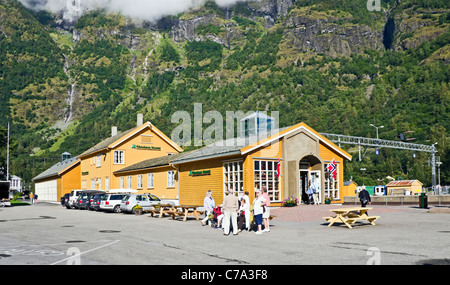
266	230
258	233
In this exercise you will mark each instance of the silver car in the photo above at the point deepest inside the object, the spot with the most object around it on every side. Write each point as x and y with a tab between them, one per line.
111	202
146	201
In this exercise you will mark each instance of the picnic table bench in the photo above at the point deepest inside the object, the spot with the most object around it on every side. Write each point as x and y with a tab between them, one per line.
160	209
176	211
349	216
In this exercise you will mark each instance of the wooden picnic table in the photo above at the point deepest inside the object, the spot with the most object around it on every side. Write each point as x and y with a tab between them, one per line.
161	209
175	211
185	211
349	216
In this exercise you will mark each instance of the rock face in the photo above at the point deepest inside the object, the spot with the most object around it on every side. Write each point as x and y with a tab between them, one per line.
272	8
184	29
414	27
321	33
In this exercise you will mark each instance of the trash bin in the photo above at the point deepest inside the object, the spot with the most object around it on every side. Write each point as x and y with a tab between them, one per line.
423	201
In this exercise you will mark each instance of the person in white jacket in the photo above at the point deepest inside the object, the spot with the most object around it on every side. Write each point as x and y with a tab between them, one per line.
247	213
208	204
258	210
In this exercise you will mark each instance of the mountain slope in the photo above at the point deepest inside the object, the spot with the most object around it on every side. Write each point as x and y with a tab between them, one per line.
321	62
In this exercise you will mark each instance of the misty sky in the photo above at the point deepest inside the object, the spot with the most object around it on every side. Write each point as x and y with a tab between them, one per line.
138	9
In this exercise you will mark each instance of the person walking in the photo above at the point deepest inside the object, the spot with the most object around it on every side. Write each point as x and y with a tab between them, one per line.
364	197
316	190
230	207
266	213
310	192
208	204
31	198
258	210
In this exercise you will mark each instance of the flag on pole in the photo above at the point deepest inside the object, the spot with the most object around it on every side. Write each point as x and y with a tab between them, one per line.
279	168
333	169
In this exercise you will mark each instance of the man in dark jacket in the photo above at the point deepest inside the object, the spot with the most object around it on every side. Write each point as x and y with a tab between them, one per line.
364	197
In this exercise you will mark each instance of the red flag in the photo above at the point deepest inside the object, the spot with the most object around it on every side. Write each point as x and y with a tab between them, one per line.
278	168
333	169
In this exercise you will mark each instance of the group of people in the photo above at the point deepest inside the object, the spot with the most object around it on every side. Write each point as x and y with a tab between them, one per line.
236	211
33	198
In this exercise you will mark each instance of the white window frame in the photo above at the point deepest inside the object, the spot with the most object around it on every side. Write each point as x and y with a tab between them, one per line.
119	157
150	183
98	161
129	181
107	183
171	179
331	188
233	177
93	183
267	177
122	182
139	181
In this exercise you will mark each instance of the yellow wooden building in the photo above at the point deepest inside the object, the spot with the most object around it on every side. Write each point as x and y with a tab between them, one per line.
284	161
413	187
350	188
248	163
121	150
156	176
58	180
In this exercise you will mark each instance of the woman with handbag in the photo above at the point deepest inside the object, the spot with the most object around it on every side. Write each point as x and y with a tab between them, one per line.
258	210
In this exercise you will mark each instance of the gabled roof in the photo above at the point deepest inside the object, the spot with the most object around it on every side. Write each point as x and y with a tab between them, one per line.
152	163
292	129
241	146
223	148
112	142
58	169
403	183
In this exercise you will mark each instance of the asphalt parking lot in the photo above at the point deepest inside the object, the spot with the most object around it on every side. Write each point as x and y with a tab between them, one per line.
48	234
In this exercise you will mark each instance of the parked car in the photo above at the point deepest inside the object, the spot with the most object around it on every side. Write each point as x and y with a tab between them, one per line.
84	198
94	202
65	200
81	201
111	202
146	201
73	197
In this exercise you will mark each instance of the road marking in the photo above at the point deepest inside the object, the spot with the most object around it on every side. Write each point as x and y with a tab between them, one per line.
81	253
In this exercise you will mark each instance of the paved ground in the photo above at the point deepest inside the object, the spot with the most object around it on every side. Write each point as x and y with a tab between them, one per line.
50	234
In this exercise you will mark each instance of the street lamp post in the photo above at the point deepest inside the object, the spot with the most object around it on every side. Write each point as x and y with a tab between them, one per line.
380	127
363	169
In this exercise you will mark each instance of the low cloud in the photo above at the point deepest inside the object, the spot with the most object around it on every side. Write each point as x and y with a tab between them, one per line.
149	10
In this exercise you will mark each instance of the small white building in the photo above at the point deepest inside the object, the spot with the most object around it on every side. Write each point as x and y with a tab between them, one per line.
16	184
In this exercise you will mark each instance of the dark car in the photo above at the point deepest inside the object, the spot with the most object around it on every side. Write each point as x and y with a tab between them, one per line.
95	201
84	199
65	200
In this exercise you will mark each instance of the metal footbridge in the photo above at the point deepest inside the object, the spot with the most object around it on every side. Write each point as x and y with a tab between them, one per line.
378	143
